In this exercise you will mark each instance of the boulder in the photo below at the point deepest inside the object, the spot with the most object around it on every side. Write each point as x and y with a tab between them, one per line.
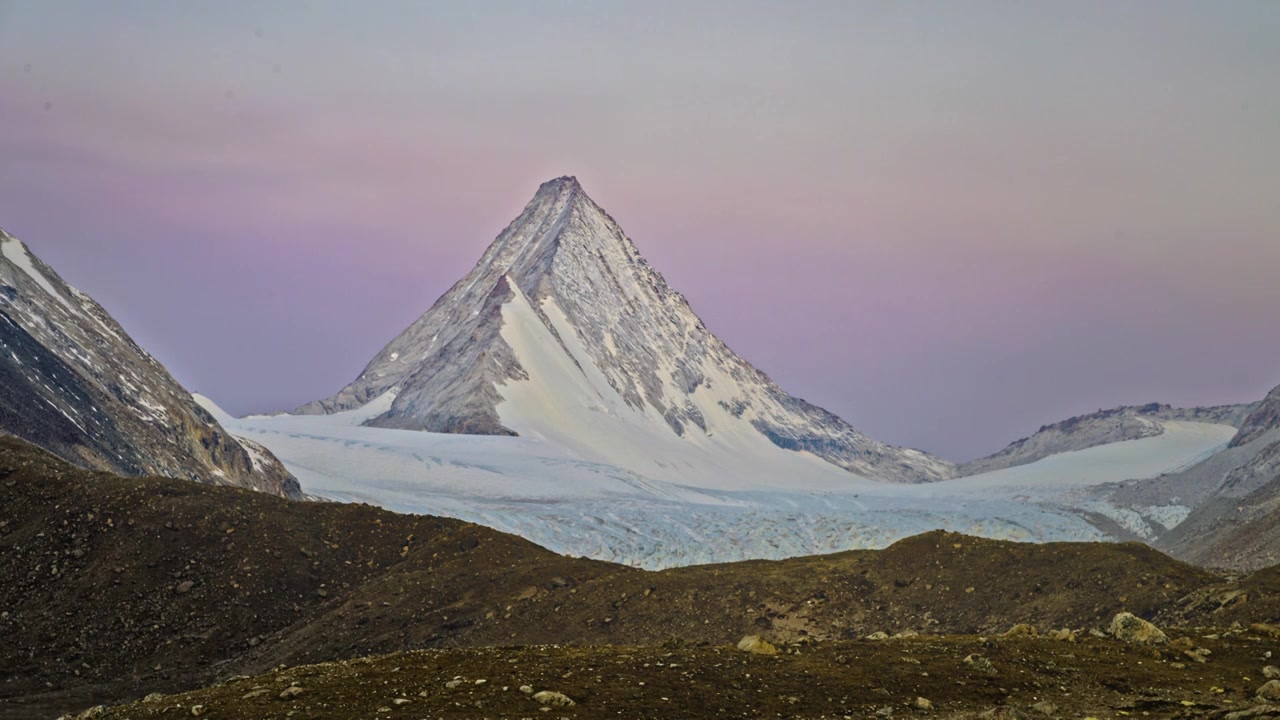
756	645
1129	628
553	699
1270	691
1022	630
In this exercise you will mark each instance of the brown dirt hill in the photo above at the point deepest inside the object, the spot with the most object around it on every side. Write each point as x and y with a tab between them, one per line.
112	587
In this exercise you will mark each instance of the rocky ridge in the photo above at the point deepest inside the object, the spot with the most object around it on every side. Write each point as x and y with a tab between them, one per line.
77	384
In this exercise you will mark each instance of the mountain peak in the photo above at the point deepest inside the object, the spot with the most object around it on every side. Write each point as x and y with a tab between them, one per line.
564	191
563	331
566	182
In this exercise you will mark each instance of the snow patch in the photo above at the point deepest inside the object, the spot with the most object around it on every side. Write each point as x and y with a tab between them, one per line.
568	403
13	250
1180	444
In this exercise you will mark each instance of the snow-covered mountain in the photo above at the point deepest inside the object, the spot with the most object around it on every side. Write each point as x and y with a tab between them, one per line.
77	385
564	333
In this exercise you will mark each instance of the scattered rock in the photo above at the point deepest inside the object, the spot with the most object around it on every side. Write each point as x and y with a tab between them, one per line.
1063	635
400	701
1258	711
1270	691
1004	712
1271	672
906	634
453	683
1044	707
255	694
554	699
878	635
1022	630
197	710
526	689
159	697
1129	628
923	704
184	587
290	692
756	645
981	664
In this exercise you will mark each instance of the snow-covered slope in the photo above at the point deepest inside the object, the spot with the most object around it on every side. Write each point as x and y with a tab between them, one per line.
543	489
1169	447
73	382
562	332
1131	422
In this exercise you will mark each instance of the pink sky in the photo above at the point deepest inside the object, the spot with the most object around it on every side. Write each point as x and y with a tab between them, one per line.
947	224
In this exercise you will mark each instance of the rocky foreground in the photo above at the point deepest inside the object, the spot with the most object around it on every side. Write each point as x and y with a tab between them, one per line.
115	589
1137	671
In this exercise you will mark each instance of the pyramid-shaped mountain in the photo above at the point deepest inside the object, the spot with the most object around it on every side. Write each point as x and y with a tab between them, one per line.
564	333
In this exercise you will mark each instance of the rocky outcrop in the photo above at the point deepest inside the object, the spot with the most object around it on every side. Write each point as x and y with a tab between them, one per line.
75	383
1236	521
1264	418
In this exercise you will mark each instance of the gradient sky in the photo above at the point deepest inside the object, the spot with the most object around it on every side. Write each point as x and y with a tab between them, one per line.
947	222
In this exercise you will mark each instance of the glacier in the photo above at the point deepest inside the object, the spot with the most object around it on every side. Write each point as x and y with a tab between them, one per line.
562	391
576	506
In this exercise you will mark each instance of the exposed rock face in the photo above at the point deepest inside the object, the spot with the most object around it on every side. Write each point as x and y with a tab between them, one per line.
1264	418
1237	521
76	384
575	287
1130	422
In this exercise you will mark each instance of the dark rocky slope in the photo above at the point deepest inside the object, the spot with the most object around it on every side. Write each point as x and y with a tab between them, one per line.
112	588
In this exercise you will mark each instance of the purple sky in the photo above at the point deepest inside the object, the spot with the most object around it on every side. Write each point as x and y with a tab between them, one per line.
947	222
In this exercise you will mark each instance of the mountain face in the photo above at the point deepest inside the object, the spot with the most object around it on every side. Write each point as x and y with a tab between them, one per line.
563	332
76	384
1130	422
1237	523
1264	418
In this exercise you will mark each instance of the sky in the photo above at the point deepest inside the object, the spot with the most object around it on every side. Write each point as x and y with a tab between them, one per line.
948	223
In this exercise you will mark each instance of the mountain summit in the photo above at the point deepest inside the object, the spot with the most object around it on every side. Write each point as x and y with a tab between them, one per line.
564	333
